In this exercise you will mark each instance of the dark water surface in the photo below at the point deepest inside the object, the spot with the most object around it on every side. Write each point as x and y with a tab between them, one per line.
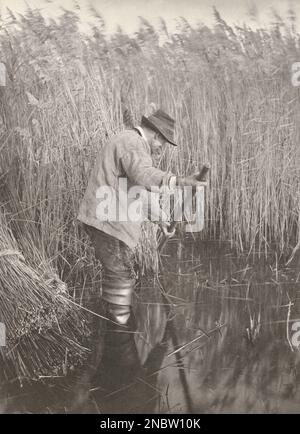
222	341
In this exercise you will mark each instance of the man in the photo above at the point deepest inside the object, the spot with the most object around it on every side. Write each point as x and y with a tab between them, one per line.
128	155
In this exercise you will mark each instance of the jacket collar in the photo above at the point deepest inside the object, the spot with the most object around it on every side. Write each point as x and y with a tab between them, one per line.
142	134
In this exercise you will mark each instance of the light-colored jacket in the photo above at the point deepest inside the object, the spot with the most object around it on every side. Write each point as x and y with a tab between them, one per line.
125	155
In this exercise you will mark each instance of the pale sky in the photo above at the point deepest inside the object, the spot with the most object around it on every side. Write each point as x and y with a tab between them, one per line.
126	12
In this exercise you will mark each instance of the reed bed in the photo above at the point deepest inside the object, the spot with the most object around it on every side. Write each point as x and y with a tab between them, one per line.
66	93
229	89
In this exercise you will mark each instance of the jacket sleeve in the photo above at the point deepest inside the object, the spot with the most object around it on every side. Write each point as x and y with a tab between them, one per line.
137	163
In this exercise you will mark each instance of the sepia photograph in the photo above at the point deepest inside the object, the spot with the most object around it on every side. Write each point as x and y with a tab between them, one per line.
149	209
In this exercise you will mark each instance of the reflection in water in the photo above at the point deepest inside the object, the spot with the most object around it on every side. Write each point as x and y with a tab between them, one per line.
128	391
121	383
246	306
218	341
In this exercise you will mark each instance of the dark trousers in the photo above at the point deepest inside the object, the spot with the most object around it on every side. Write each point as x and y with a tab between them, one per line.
119	276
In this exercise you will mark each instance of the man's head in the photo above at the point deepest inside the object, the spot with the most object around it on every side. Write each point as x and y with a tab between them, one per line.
161	123
159	130
157	143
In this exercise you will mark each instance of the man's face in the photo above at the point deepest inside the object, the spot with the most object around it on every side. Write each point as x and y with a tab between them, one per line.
158	145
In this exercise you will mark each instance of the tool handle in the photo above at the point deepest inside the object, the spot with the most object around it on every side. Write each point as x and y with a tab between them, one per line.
203	172
200	177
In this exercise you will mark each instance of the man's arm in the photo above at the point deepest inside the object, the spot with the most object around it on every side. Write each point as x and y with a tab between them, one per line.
138	166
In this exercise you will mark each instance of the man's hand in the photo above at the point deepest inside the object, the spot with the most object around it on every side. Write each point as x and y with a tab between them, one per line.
184	181
196	180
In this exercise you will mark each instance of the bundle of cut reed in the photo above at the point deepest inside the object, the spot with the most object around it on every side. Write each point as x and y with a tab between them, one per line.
45	331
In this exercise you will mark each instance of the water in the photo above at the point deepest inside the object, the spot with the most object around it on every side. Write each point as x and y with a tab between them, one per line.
231	319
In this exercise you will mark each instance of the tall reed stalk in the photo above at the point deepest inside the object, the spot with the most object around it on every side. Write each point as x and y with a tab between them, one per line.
229	90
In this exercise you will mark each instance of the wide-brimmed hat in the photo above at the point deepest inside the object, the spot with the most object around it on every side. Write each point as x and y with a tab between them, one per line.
162	123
